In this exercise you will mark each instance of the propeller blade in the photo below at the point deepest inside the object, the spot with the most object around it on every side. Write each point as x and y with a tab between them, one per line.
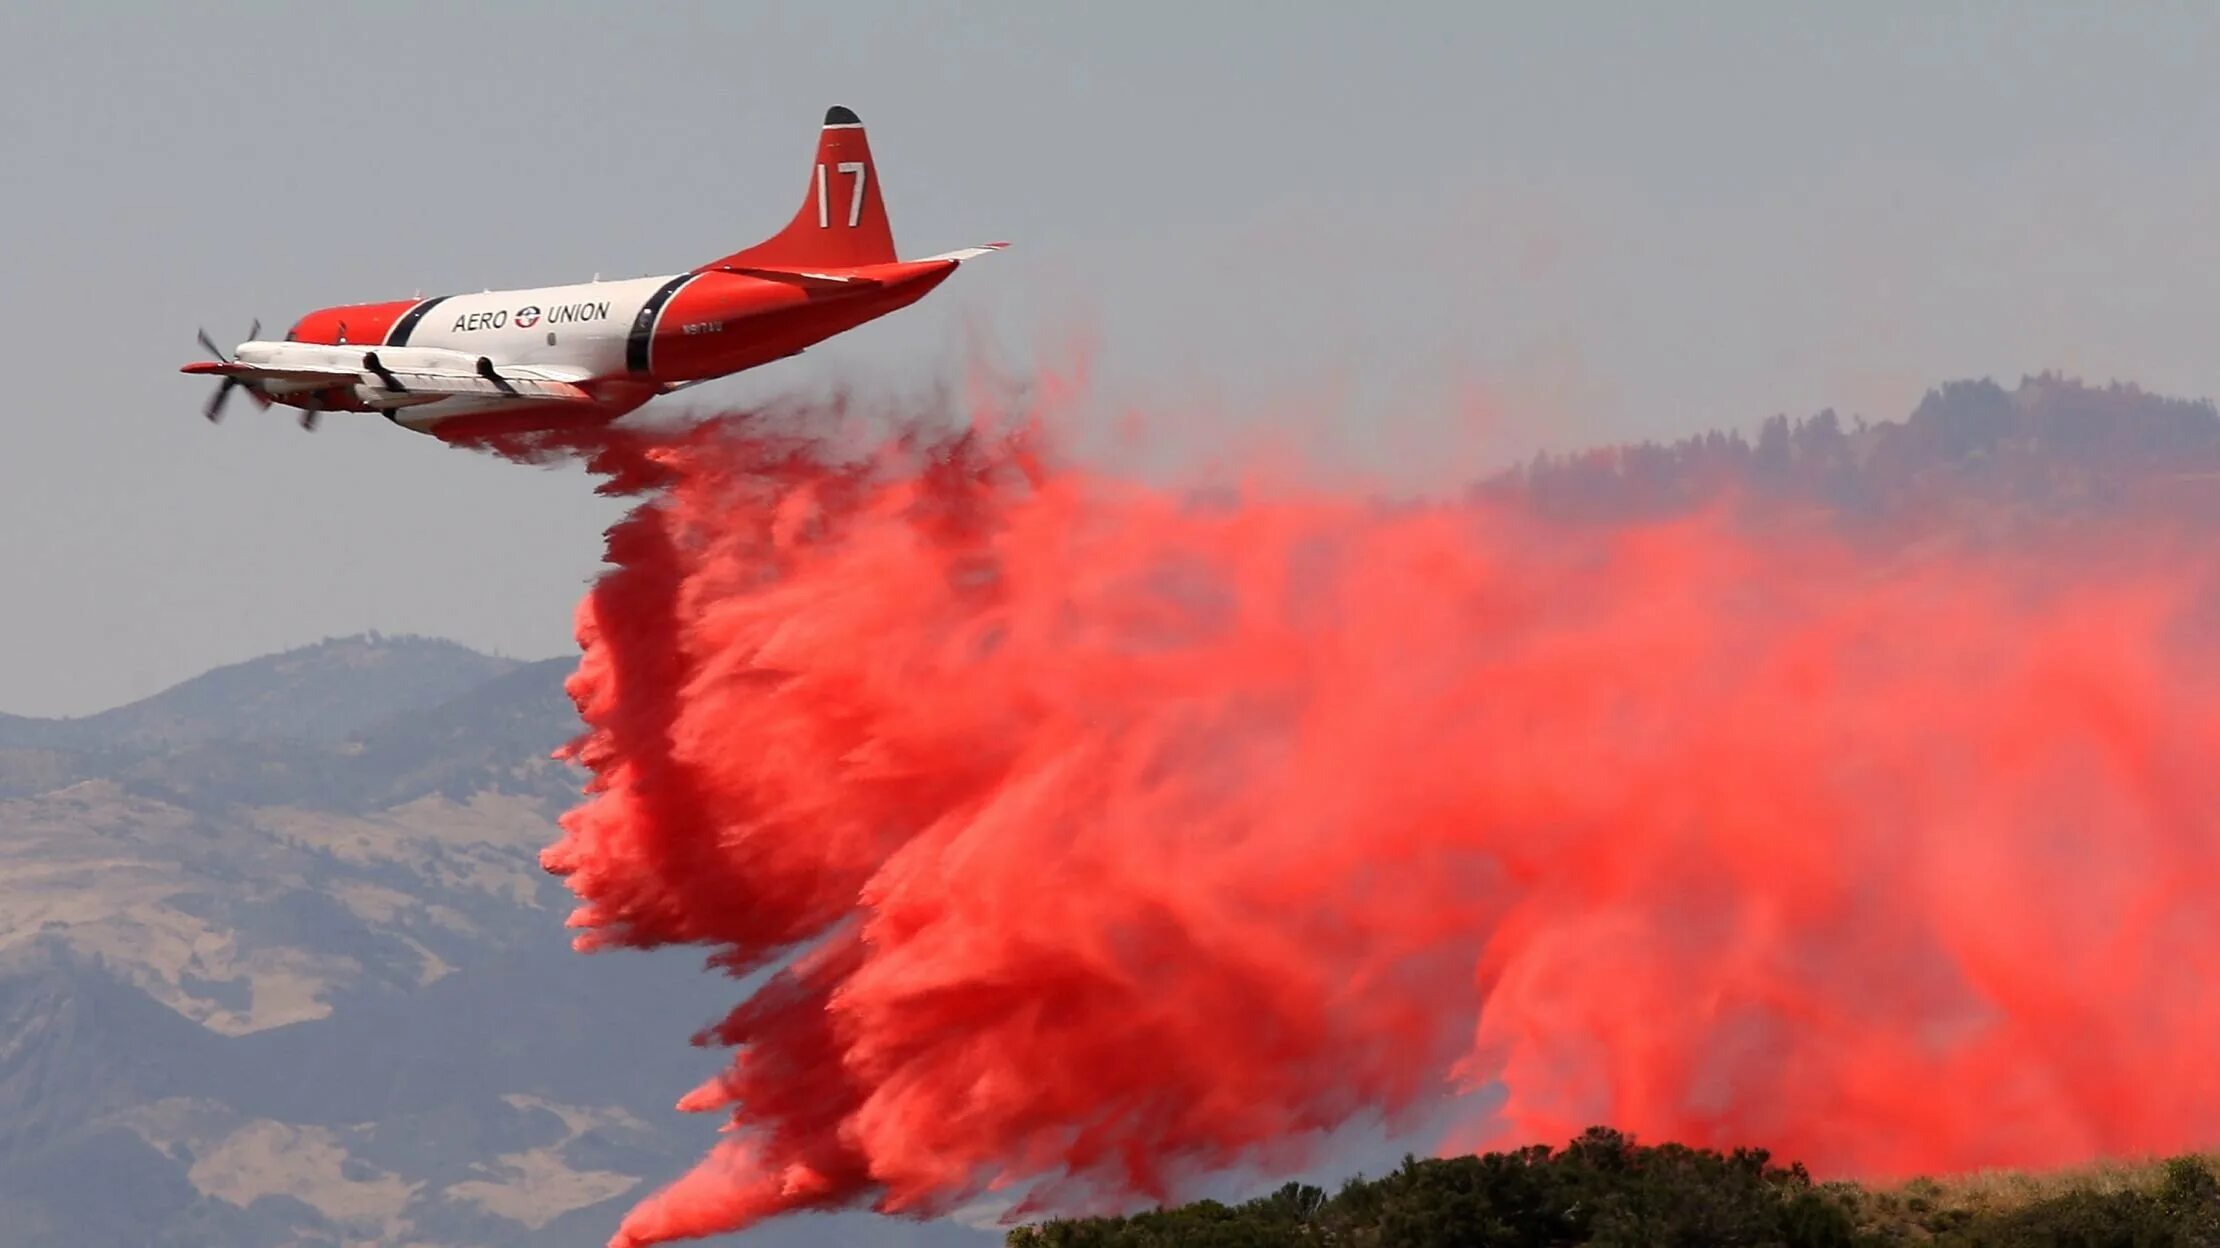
215	409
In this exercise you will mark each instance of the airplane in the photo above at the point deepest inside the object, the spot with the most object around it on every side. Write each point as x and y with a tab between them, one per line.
554	356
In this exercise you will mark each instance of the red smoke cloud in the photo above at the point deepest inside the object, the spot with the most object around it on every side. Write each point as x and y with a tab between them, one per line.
1126	836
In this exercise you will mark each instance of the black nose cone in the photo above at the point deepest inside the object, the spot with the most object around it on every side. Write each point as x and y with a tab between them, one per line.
838	116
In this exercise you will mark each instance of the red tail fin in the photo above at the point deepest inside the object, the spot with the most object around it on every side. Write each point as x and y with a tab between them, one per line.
842	222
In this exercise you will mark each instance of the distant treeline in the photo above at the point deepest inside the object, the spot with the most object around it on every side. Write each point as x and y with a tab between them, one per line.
2053	447
1603	1188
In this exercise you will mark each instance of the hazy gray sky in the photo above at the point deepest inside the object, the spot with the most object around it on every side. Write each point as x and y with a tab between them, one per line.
1587	220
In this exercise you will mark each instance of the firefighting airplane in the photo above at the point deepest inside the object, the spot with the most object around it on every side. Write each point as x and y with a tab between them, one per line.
562	355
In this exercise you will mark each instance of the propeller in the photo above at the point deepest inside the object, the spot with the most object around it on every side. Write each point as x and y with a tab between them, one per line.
215	409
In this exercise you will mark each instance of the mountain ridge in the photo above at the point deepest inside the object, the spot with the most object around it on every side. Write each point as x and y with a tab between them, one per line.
321	691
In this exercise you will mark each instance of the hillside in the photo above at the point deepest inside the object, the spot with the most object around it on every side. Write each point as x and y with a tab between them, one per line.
1605	1188
322	692
261	991
1972	459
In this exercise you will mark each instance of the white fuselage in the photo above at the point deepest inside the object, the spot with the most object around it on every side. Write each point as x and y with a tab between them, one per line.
584	326
425	367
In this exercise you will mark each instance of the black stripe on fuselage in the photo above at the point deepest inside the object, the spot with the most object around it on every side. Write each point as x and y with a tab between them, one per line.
642	339
398	336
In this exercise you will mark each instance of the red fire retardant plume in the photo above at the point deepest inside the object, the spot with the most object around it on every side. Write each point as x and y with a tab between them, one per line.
1104	837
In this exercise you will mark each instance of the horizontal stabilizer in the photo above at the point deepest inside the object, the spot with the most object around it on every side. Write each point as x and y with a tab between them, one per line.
967	253
796	277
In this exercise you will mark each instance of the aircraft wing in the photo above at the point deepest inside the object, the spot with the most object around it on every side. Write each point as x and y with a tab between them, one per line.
413	378
513	380
256	372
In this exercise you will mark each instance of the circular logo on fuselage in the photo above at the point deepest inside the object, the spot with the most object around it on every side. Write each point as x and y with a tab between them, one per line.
527	317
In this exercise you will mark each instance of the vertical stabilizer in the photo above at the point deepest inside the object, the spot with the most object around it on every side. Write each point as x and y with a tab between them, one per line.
842	222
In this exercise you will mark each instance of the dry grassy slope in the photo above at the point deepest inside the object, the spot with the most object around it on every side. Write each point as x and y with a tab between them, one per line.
1995	1191
261	916
257	989
264	989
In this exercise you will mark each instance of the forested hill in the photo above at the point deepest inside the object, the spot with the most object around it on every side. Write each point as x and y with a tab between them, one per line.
1604	1188
2052	448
